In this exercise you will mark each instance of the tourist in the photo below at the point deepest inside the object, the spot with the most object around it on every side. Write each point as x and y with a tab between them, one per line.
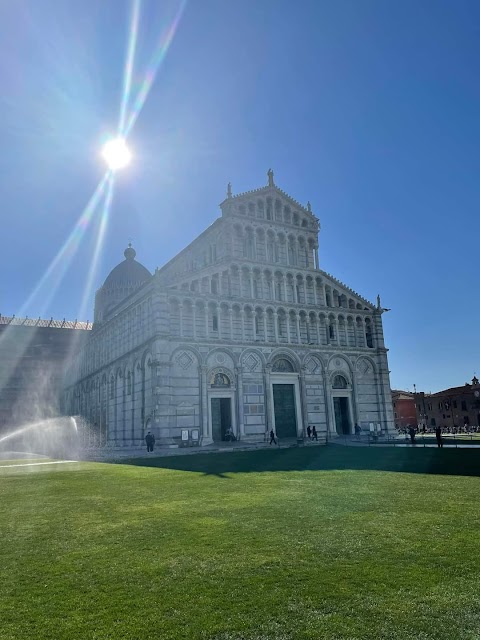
357	430
309	432
272	437
314	433
229	435
412	432
438	435
150	441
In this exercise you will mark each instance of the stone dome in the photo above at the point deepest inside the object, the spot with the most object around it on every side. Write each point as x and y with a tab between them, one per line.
127	272
123	280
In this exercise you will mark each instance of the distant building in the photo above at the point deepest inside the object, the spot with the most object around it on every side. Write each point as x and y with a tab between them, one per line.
404	410
450	408
33	355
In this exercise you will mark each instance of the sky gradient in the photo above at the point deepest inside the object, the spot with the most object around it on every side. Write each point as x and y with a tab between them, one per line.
367	108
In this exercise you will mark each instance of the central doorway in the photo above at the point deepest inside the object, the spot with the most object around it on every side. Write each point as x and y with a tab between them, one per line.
342	416
221	417
284	407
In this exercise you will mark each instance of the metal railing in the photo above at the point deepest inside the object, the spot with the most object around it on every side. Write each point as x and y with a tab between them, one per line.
449	440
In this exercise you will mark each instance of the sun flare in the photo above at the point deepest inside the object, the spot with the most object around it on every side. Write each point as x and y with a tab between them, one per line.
116	154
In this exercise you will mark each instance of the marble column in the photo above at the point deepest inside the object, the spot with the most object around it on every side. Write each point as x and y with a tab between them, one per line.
180	315
206	434
268	397
303	397
275	325
242	319
230	314
206	321
241	419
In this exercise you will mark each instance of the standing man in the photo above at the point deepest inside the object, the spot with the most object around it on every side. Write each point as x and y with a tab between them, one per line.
314	433
309	432
150	441
438	435
412	432
357	430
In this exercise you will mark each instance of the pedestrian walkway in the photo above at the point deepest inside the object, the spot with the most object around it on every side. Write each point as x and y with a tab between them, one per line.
420	442
121	453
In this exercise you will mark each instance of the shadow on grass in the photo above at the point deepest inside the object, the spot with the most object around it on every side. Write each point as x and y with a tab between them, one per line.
458	462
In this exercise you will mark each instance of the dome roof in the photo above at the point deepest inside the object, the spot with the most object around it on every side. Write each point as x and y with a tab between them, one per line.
129	272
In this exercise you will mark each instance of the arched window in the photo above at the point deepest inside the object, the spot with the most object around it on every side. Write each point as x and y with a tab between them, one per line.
112	388
292	258
369	335
248	247
282	365
129	384
269	209
339	382
278	290
215	322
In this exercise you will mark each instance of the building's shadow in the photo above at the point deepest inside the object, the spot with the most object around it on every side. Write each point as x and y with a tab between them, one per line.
459	462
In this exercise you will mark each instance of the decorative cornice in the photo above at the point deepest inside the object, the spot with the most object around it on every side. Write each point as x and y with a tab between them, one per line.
266	190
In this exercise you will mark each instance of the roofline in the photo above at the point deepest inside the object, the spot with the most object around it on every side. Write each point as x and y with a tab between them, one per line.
267	188
44	323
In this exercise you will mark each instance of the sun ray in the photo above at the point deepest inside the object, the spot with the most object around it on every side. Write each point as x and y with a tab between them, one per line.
52	277
60	263
161	50
128	72
100	237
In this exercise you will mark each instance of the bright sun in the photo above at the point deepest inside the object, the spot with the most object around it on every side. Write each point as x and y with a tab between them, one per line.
116	154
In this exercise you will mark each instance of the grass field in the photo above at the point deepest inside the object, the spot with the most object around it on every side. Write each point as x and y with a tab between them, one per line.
321	542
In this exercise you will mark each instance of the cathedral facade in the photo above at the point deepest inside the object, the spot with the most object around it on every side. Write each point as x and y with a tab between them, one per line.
241	331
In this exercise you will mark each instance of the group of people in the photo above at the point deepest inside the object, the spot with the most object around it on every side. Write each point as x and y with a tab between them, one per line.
412	432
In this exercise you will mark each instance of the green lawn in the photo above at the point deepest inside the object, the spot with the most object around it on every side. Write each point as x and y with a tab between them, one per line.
318	542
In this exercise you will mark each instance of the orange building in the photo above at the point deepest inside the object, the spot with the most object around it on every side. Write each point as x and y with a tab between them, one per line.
404	412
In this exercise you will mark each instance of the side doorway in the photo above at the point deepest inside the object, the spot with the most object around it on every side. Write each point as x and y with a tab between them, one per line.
342	415
221	409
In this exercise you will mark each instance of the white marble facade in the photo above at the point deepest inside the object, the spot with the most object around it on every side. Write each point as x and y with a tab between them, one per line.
242	329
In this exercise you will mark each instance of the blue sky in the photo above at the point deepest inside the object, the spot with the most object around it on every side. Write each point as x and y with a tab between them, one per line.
369	109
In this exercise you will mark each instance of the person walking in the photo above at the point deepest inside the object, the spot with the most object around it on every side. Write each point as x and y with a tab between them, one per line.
412	433
357	431
314	433
150	441
272	437
309	432
438	436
